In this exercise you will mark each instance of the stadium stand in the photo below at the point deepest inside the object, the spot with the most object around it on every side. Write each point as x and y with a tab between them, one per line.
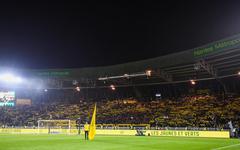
199	111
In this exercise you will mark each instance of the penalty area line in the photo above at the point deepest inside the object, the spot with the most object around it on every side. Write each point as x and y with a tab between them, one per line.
226	146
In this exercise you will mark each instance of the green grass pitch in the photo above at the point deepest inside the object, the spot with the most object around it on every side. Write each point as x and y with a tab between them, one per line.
74	142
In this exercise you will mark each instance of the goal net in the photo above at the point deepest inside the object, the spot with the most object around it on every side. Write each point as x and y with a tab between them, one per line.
55	126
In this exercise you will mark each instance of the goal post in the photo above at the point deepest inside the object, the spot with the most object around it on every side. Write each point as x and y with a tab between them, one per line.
55	126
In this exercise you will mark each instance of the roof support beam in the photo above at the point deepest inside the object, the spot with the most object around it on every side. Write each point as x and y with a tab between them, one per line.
206	66
124	76
164	75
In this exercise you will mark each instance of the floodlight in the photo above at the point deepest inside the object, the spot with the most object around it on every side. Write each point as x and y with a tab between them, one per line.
149	72
10	78
19	79
78	88
112	87
192	82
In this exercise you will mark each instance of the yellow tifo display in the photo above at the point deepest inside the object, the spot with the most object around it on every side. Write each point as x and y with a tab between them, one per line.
174	133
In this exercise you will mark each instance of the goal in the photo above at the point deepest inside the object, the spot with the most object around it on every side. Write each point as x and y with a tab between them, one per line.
54	126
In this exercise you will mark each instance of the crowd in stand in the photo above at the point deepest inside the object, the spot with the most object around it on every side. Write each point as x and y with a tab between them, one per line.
187	111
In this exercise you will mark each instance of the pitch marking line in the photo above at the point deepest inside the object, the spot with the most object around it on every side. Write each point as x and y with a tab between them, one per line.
226	146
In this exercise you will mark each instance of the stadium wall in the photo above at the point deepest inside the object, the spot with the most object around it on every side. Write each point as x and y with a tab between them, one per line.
173	133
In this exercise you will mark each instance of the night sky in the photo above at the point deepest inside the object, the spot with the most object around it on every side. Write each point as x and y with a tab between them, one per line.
75	35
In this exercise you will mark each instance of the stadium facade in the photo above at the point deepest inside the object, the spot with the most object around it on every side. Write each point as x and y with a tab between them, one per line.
216	60
215	64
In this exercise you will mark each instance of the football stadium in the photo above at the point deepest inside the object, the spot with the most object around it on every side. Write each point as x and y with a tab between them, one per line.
187	100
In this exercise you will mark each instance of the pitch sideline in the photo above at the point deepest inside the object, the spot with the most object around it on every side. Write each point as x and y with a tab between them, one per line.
226	146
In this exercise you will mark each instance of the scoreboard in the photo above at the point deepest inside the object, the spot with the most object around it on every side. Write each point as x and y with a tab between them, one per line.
7	98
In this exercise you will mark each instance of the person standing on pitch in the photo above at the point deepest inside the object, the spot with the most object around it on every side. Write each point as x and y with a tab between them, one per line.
86	129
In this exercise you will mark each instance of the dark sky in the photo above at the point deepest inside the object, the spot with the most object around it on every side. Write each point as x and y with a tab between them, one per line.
73	35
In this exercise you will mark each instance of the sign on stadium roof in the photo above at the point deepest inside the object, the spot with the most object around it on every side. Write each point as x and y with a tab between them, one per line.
55	73
217	46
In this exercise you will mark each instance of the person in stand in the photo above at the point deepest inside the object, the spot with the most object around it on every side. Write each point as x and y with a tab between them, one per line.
86	130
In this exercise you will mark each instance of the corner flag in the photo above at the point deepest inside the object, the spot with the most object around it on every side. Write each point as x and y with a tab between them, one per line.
92	130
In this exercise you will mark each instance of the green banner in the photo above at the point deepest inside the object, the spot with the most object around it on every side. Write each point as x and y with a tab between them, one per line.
51	73
216	47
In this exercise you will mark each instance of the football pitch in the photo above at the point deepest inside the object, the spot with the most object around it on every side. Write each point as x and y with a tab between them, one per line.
74	142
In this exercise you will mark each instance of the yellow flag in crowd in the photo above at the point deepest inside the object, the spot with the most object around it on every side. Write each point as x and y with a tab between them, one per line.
92	130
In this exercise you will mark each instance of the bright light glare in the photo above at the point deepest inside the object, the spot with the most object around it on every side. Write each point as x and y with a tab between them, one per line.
112	87
78	88
193	82
148	72
10	78
19	80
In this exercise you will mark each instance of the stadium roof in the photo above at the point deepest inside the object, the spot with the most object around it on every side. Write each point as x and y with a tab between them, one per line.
215	60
